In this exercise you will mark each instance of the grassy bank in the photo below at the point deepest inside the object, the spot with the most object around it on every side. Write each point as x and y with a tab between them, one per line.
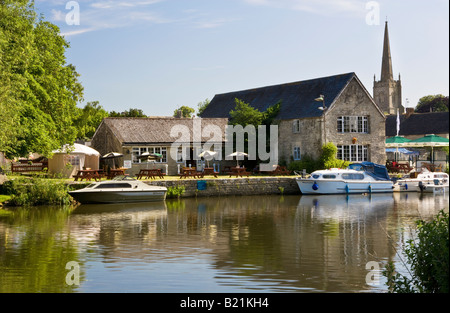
30	191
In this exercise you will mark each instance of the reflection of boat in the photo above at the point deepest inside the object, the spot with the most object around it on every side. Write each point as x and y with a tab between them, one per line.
151	207
120	189
353	206
424	182
365	177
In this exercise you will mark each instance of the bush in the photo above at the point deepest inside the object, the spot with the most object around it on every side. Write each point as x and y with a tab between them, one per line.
175	191
36	191
428	257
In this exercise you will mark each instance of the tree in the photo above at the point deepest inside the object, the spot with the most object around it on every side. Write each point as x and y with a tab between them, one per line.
89	119
428	257
42	90
129	113
243	114
432	103
202	106
185	111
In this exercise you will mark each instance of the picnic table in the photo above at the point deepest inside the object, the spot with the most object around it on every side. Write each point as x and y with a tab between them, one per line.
190	172
280	170
88	174
150	173
396	167
239	171
210	171
116	172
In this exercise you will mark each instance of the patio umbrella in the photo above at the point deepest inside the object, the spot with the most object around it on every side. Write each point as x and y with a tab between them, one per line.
113	156
208	155
238	155
396	141
150	157
429	141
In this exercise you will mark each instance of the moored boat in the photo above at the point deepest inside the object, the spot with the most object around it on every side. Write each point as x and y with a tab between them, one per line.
364	177
119	190
424	182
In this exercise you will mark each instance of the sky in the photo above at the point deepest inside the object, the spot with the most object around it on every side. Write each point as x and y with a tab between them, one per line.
158	55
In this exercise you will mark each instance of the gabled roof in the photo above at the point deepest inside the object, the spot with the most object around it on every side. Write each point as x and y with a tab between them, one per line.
158	129
418	124
297	97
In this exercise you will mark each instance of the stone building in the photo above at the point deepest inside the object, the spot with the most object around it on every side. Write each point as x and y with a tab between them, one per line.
387	92
178	140
313	112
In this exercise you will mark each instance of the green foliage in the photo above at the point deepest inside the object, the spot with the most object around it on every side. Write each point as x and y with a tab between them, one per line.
432	103
428	258
36	191
175	191
307	163
39	91
128	113
243	114
185	111
89	119
201	106
327	159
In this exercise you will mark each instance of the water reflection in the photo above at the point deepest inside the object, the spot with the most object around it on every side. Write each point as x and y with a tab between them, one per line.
226	244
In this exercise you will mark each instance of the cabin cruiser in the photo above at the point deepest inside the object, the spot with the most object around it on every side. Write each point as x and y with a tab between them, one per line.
364	177
120	189
425	181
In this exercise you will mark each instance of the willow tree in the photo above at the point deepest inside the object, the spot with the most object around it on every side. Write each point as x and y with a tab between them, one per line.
39	90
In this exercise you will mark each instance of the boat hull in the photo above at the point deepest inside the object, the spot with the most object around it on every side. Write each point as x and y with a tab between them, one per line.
117	196
311	186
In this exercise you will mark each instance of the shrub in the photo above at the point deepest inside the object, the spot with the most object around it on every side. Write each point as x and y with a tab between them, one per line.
175	191
36	191
428	257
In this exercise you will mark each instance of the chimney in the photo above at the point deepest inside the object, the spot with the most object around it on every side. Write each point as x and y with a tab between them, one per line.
409	111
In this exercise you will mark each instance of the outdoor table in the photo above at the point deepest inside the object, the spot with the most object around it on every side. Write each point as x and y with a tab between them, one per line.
239	171
209	171
150	173
190	172
87	175
116	172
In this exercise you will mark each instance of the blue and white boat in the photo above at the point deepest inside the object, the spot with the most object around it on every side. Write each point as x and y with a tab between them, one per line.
364	177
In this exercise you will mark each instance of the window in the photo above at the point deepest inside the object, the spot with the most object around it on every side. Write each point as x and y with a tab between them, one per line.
352	153
74	160
296	154
180	155
353	124
329	176
296	126
137	151
353	176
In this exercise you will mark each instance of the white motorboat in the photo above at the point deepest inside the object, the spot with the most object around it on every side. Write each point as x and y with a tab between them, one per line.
364	177
120	189
424	182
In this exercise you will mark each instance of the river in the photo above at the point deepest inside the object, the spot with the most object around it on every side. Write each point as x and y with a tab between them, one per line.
237	244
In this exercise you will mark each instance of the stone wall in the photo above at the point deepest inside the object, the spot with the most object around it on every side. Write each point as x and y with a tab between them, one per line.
234	186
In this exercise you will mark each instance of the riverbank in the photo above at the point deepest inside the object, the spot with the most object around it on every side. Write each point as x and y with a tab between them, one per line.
231	186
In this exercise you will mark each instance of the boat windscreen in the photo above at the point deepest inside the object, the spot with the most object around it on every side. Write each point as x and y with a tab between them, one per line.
114	185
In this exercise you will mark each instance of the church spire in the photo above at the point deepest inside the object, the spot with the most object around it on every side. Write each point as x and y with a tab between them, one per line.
386	66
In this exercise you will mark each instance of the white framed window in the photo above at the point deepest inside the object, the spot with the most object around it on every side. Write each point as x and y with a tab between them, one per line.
296	154
353	124
296	126
353	153
137	151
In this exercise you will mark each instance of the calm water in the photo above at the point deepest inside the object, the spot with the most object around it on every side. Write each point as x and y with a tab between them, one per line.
228	244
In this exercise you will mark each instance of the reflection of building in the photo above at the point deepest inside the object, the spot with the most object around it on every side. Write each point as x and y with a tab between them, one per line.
387	92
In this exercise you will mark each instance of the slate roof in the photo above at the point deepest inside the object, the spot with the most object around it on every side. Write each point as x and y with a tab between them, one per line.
418	124
297	97
154	130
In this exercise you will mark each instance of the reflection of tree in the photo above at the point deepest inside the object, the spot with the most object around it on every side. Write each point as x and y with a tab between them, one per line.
35	250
